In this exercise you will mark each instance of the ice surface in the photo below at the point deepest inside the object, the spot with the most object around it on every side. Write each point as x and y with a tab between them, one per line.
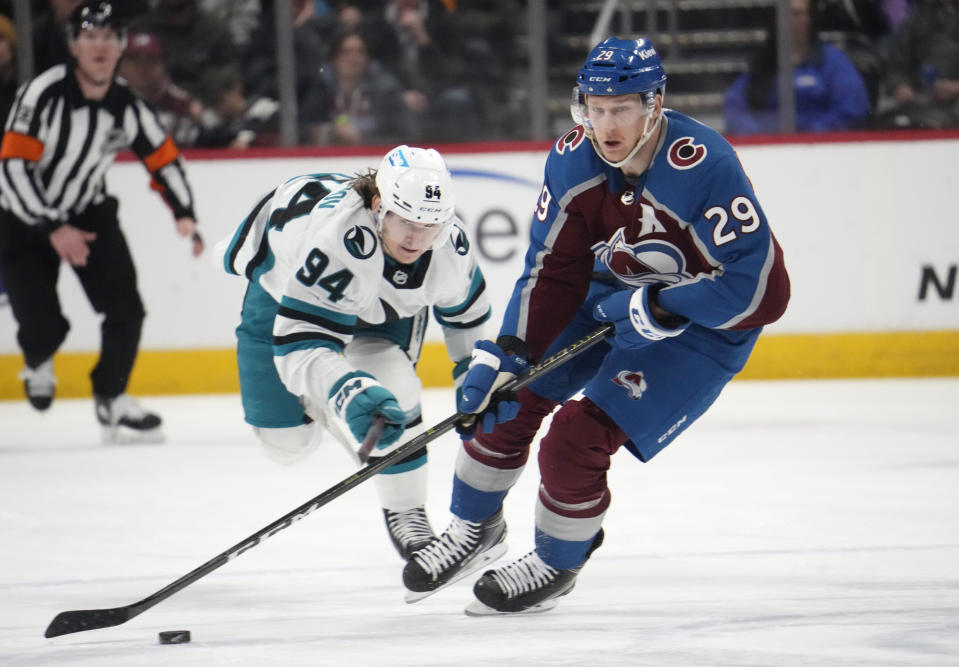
797	523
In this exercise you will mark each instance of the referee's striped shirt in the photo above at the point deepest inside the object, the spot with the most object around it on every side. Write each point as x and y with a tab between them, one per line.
58	146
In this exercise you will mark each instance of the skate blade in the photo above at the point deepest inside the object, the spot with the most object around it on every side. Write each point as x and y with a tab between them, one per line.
481	561
127	436
477	608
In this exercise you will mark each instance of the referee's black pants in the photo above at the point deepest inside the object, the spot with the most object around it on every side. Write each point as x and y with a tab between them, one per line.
30	268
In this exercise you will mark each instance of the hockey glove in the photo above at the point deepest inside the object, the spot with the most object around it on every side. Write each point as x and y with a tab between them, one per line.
635	325
357	399
490	368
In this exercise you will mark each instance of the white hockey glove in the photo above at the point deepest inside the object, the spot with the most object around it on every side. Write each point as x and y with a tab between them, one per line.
357	398
635	325
490	368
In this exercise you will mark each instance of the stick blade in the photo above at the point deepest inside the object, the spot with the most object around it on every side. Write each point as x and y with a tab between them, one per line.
67	622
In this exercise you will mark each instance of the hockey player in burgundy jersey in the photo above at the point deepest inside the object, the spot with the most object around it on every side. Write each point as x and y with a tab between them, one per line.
646	219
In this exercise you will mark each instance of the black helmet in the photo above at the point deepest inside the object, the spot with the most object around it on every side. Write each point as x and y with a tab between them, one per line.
90	15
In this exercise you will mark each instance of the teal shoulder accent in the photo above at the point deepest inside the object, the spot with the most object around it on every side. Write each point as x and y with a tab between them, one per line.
449	324
228	255
265	266
477	286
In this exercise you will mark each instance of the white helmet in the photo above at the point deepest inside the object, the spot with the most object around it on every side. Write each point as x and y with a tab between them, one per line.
415	184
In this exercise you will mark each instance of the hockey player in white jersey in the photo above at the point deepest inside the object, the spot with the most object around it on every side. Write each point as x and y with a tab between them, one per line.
342	274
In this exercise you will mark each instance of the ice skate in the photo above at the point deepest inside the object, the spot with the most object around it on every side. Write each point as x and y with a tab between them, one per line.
525	586
463	548
410	530
125	421
39	384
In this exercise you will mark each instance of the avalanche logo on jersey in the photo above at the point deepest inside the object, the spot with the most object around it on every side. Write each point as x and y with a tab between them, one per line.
633	382
684	154
360	242
571	140
649	262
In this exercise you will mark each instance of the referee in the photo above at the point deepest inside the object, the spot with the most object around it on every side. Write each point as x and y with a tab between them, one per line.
63	133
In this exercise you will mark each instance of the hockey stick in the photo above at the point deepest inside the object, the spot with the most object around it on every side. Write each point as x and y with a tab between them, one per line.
80	620
372	437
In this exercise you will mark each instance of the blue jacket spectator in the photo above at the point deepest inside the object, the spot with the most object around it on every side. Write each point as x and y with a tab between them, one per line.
830	92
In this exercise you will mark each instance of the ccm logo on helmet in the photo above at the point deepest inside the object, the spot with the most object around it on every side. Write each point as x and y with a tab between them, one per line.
684	154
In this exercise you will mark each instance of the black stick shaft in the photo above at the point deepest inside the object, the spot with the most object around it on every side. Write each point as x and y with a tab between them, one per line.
67	622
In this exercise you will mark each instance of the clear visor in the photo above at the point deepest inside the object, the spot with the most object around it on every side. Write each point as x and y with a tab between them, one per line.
419	233
631	110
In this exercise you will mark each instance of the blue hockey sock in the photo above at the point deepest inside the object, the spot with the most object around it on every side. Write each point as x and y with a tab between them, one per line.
562	554
471	504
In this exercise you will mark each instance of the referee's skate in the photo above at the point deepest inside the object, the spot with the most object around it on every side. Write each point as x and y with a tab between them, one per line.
125	421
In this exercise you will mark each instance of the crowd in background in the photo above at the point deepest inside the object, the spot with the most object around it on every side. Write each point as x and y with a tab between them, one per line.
414	71
367	71
859	64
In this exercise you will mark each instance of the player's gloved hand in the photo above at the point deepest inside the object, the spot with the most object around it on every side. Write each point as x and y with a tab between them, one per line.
357	398
630	311
490	368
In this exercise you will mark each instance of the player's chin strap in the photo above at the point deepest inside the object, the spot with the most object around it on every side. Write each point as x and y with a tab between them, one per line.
647	135
81	620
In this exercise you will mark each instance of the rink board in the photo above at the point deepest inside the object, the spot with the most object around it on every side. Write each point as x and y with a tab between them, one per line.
866	223
906	354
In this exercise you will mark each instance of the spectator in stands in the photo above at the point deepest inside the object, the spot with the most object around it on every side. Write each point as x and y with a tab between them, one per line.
143	68
240	16
487	31
234	121
422	45
8	66
923	71
863	30
363	102
197	48
50	35
311	36
830	92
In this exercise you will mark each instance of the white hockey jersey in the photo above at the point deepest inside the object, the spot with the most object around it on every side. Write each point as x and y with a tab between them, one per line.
313	246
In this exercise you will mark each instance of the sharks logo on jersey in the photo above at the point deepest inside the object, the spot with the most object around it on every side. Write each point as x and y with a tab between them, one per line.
646	262
459	241
360	242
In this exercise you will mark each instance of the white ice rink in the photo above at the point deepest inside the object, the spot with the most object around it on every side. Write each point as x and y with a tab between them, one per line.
797	523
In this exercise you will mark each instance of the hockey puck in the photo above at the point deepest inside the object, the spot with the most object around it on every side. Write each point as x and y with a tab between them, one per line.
175	637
